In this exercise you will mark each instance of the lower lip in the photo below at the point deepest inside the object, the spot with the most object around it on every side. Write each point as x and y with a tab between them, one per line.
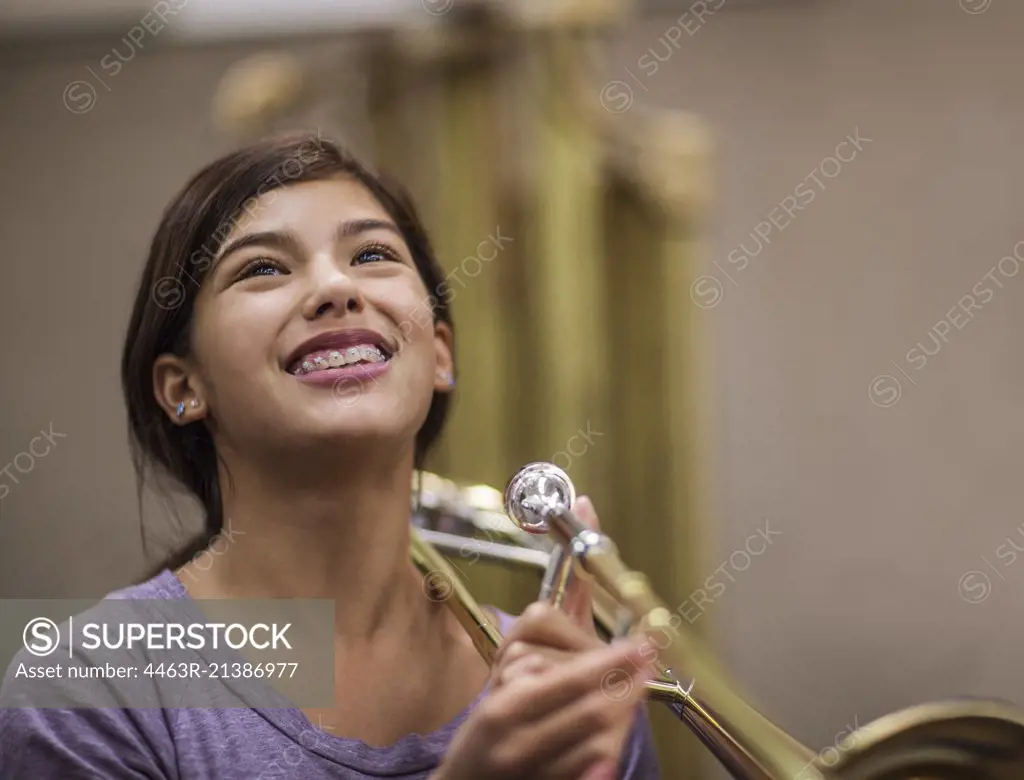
331	377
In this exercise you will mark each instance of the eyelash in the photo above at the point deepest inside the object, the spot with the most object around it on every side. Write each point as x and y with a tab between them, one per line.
257	264
260	263
381	249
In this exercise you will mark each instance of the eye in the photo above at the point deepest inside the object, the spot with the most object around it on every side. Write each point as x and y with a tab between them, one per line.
374	253
261	266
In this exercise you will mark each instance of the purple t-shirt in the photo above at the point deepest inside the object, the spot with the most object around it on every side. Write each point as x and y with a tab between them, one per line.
224	744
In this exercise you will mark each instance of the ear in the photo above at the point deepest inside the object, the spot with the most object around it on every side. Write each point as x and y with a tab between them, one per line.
444	342
177	386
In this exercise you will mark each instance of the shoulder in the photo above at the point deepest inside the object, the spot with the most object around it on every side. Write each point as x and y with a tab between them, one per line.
55	727
83	744
51	646
164	585
43	670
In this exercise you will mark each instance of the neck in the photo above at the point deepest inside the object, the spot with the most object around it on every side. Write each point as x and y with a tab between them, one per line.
340	533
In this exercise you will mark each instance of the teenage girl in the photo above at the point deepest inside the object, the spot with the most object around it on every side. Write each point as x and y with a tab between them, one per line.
278	364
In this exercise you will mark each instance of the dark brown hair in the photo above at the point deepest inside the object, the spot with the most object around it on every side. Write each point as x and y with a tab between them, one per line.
190	233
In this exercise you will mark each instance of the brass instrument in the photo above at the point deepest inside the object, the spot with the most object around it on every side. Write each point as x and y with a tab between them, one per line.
973	739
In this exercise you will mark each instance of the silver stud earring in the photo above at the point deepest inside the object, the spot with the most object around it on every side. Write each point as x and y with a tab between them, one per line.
448	378
181	408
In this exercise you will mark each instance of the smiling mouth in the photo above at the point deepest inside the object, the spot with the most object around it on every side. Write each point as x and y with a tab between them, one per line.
349	357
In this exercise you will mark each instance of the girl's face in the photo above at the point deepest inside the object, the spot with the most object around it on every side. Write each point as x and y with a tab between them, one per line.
312	324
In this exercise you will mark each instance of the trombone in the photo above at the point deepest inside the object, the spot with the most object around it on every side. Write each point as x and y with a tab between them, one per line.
532	525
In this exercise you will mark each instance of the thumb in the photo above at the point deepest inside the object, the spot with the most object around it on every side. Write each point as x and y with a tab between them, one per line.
579	596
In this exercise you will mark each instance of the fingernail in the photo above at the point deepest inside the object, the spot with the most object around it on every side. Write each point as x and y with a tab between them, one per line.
604	770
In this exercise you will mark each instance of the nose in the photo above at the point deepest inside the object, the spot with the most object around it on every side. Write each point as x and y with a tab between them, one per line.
335	292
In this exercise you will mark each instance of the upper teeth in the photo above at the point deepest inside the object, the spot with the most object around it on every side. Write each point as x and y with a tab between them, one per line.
338	358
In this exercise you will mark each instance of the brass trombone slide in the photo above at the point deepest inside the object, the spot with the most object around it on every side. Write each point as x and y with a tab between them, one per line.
973	739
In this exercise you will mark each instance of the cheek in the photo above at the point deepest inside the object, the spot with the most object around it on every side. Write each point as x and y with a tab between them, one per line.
415	320
417	355
232	344
411	310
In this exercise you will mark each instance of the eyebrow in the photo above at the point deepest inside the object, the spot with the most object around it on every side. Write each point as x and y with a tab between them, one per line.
354	227
285	239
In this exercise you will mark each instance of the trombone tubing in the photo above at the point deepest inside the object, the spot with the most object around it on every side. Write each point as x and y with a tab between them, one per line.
426	542
492	551
694	711
746	742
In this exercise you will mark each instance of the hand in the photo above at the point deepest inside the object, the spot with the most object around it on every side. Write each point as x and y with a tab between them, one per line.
550	713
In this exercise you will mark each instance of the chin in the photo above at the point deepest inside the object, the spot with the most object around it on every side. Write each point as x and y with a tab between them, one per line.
365	421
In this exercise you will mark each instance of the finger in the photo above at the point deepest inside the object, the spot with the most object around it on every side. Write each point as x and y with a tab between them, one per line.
583	759
579	595
529	664
533	697
603	770
590	761
544	625
519	650
567	743
575	737
523	659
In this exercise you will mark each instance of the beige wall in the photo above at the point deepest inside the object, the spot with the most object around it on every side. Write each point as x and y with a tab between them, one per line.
854	608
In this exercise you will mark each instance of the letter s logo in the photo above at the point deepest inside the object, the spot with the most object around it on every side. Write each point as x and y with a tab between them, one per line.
41	636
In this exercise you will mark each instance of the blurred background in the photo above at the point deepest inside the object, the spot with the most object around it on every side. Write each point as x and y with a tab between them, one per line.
746	268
